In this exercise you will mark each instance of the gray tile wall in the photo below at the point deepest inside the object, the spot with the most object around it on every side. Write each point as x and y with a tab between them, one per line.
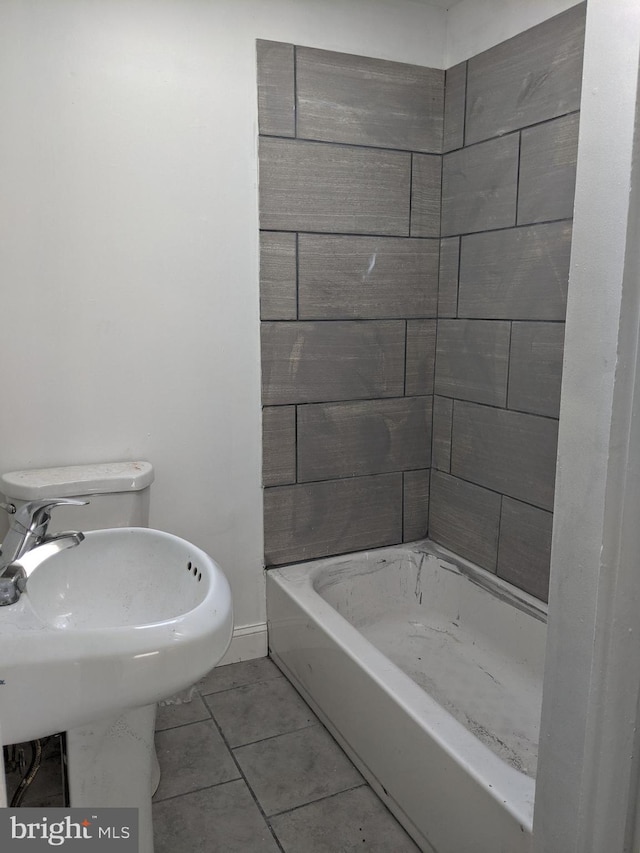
360	278
528	79
350	187
416	233
511	128
363	101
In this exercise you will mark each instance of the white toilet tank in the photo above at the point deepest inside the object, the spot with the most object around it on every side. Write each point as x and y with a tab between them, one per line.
118	493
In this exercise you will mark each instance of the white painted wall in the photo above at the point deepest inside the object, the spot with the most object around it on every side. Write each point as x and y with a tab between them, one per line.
129	241
475	25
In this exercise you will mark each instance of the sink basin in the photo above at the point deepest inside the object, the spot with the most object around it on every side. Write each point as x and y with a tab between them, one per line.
128	617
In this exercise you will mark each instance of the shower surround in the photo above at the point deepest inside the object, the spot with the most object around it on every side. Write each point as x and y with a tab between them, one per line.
416	231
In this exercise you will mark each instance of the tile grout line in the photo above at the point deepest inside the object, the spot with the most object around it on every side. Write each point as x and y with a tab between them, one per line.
349	402
400	236
238	686
363	146
451	438
410	194
504	408
517	216
493	491
402	508
457	317
363	784
464	107
156	802
296	463
502	228
406	345
280	734
295	92
297	251
249	788
508	376
321	320
498	533
438	318
465	144
389	474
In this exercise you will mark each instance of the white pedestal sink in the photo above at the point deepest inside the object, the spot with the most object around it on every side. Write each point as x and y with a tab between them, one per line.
103	632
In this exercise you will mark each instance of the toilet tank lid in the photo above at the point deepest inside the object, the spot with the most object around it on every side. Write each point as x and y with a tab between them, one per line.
101	478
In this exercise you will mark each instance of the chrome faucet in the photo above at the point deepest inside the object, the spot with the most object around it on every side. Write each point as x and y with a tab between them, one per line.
27	545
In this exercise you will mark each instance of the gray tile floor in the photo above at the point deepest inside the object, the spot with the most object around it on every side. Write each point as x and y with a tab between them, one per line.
248	768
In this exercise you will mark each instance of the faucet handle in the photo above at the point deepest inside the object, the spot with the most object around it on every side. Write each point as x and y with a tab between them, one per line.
36	513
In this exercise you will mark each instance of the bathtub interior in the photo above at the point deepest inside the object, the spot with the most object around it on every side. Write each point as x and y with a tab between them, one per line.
474	643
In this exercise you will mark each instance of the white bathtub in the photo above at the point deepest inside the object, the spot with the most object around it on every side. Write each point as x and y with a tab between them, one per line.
428	671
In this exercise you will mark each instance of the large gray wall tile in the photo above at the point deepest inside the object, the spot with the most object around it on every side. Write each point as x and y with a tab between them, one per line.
472	360
518	274
532	77
454	99
441	443
344	277
479	186
426	181
316	186
421	356
448	278
318	519
278	445
548	170
416	505
509	452
278	298
535	373
464	518
524	552
364	101
371	437
321	362
276	95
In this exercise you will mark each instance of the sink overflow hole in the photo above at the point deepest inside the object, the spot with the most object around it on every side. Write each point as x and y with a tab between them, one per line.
194	569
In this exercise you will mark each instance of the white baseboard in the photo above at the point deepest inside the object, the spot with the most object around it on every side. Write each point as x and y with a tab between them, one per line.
247	642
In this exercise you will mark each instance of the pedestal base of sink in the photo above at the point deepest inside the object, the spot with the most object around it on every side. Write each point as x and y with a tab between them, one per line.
113	763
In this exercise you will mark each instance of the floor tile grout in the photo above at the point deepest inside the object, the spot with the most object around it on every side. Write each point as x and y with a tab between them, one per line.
196	790
280	734
363	784
203	696
182	725
249	788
